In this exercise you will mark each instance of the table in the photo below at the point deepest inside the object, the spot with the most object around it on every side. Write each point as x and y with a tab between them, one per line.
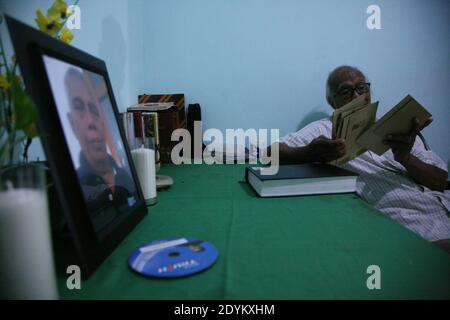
310	247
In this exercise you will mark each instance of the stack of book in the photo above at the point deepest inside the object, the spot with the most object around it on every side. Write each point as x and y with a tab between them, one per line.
356	123
349	122
305	179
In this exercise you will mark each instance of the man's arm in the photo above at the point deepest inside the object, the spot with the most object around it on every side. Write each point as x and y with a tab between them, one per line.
292	155
425	174
320	149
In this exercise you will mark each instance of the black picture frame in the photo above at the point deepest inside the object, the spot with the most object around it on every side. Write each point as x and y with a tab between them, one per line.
30	45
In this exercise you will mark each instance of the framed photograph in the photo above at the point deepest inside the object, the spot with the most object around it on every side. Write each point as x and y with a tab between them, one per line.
84	142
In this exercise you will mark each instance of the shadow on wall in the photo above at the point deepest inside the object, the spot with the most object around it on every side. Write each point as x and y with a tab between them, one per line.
112	50
316	114
135	50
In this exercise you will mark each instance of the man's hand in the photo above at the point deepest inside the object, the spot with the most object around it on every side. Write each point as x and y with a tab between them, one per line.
322	149
401	144
425	174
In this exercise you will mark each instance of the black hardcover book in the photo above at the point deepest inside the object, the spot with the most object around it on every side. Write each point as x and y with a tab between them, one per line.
302	179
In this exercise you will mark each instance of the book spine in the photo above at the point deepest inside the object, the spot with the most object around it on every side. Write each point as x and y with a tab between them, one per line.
247	171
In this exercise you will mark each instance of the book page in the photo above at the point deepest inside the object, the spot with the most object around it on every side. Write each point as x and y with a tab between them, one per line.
339	114
354	125
399	120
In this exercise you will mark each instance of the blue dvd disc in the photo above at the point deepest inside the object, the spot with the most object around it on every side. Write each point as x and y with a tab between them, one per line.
172	258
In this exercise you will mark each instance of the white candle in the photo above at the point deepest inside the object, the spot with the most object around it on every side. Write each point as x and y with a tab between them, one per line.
144	161
26	256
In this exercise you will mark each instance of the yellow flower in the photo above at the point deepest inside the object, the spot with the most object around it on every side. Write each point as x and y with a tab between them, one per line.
31	130
4	84
47	24
41	20
66	36
58	10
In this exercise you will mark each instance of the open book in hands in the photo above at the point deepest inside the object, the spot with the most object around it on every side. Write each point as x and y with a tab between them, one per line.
355	123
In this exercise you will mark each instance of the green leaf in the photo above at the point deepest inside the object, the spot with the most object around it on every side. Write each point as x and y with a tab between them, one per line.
25	110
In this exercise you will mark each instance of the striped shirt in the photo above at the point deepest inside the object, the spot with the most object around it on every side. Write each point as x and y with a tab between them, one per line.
384	183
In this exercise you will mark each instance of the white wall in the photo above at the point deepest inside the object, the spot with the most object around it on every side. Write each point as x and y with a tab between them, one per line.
111	30
263	63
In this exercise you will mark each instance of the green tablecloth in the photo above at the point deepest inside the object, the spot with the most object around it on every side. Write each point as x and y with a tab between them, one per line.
312	247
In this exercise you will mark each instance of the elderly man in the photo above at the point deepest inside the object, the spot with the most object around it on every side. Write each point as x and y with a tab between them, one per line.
102	180
406	183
